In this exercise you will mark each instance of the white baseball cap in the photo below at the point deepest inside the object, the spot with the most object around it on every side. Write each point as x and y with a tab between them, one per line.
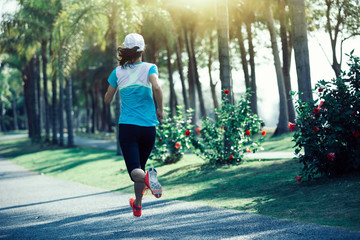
134	40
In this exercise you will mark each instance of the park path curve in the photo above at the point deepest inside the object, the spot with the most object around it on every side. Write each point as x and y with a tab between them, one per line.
36	206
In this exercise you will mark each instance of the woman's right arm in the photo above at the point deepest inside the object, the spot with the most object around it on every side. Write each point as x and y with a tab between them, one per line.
153	78
110	94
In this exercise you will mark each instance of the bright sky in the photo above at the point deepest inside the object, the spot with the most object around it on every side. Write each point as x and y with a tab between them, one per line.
267	90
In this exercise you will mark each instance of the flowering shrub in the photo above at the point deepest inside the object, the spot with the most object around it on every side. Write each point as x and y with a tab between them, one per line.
172	137
329	126
226	139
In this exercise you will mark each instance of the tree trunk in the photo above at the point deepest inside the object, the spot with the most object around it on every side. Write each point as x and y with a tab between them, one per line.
222	17
252	68
286	59
54	111
171	81
38	95
196	76
212	85
2	115
31	100
282	126
223	44
113	21
181	73
61	104
244	61
69	112
46	102
191	77
87	105
13	103
93	112
299	32
26	122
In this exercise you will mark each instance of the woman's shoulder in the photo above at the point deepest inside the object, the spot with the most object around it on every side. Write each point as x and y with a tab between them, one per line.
150	64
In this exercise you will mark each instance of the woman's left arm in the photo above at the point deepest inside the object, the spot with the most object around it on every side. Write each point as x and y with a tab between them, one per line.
110	94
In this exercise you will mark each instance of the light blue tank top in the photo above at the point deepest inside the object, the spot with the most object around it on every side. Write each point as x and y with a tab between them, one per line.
137	103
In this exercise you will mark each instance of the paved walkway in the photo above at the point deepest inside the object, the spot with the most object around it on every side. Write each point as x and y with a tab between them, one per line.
40	207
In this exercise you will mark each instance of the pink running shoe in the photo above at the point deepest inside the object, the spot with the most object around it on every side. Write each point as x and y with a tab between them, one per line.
152	182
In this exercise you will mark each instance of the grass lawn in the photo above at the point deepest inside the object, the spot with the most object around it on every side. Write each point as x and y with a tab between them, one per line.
266	187
281	143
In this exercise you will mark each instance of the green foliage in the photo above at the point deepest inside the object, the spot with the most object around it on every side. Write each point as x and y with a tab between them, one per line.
329	126
172	140
225	140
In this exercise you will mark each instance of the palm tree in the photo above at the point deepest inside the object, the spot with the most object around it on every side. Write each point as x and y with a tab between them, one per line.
19	38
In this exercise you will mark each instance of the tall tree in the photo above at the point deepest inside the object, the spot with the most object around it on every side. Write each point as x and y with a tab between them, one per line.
69	111
222	18
298	28
248	25
286	43
210	62
282	125
19	38
179	47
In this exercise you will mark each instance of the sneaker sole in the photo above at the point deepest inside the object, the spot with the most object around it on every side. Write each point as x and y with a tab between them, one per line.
154	184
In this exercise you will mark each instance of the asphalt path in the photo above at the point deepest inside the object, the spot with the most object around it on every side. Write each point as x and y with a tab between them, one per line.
36	206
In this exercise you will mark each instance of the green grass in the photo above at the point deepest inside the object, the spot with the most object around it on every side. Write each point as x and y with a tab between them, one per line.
266	187
98	135
282	143
13	132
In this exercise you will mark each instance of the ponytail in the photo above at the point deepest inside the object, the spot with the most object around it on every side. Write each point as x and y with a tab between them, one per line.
127	55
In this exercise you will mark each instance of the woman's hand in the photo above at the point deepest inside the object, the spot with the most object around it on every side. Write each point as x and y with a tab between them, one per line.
160	115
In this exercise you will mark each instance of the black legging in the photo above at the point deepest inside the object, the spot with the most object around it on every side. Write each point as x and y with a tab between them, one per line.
136	143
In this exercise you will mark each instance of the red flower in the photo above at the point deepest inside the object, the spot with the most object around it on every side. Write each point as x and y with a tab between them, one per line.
231	157
248	150
331	156
187	133
315	129
160	140
177	145
291	126
316	110
263	133
298	178
320	89
198	130
356	134
226	91
247	132
320	104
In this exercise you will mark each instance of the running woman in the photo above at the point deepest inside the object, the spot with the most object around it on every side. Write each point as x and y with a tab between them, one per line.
137	81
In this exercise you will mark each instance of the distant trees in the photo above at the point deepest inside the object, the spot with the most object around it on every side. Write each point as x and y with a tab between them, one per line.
63	51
